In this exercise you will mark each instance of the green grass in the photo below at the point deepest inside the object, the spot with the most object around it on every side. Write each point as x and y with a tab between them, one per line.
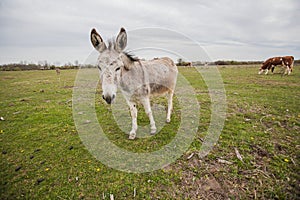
42	155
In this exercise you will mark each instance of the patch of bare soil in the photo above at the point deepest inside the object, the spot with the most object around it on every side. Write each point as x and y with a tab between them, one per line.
203	179
225	178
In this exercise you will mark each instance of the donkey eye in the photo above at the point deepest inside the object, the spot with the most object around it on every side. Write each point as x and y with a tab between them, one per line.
99	68
118	69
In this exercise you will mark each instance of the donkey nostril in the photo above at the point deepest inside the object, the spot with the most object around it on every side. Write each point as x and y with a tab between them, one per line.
108	100
113	96
103	97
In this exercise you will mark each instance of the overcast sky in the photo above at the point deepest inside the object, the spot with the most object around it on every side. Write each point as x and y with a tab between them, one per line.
58	30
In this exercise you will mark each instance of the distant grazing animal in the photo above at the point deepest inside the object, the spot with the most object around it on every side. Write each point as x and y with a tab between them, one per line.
189	64
285	61
57	71
137	79
186	64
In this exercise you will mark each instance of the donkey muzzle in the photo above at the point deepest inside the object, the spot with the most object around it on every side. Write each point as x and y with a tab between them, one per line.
108	99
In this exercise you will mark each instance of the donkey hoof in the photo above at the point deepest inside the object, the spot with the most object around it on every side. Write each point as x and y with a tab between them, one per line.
131	136
168	120
153	131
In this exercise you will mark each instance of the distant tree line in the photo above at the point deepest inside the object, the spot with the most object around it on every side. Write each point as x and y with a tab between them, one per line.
297	62
21	67
232	62
181	62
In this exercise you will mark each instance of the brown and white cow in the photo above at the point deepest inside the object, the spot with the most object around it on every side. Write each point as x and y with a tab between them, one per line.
270	63
286	61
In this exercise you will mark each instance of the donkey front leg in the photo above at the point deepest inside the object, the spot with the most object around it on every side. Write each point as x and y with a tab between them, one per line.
133	112
147	107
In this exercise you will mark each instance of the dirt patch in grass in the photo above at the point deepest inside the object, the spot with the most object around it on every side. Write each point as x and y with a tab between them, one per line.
203	179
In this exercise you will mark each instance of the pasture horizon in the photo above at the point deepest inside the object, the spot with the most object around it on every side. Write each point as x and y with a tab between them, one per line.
77	63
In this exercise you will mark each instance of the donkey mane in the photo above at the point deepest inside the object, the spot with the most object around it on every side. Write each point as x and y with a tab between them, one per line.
131	56
112	45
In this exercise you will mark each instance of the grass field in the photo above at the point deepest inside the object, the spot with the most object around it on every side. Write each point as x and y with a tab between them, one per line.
42	155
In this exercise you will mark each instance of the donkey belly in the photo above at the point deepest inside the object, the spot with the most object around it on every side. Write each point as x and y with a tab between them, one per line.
162	79
156	88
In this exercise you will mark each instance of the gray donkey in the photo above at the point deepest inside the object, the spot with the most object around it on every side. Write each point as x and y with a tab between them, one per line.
138	80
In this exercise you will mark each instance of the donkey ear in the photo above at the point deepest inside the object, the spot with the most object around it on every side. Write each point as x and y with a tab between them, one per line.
97	41
121	40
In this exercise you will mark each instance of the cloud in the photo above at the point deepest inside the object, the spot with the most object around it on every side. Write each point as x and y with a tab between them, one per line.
227	29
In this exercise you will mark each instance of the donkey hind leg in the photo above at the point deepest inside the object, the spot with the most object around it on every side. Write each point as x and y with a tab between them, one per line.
147	107
133	112
170	106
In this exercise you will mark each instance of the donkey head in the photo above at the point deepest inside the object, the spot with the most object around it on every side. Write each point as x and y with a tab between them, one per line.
111	62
